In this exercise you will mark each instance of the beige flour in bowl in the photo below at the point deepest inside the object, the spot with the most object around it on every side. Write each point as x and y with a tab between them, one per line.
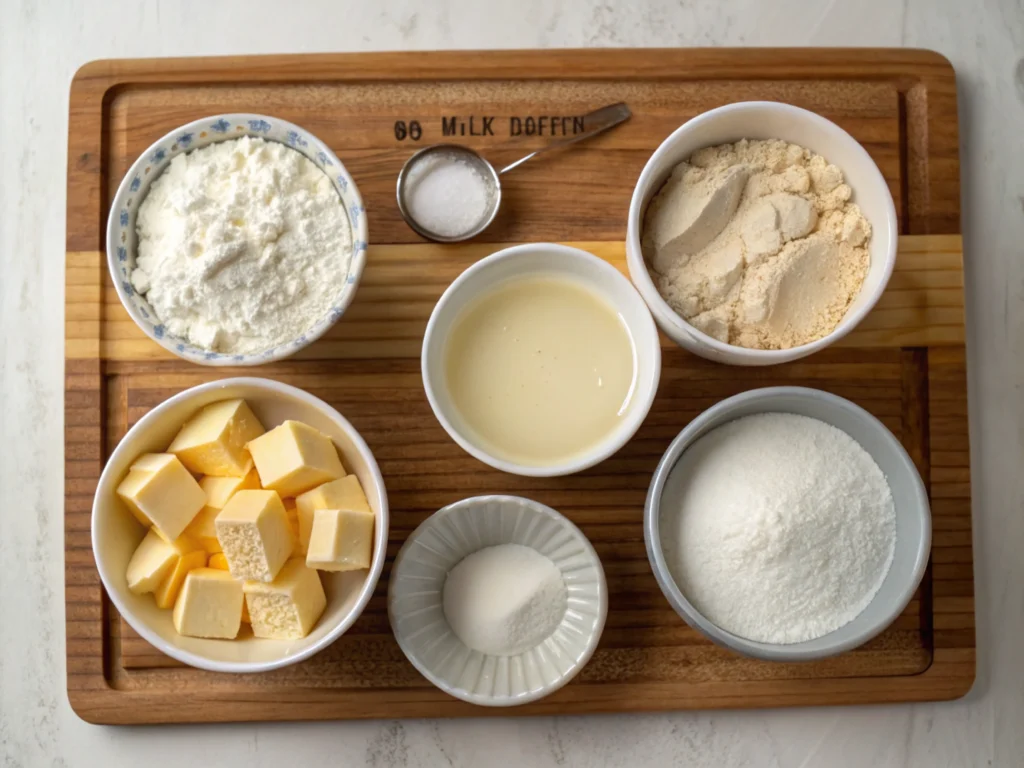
757	244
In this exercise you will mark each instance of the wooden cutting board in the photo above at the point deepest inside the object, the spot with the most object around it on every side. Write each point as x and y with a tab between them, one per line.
905	363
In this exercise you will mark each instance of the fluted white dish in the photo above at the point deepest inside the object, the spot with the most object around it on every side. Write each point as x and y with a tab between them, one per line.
415	604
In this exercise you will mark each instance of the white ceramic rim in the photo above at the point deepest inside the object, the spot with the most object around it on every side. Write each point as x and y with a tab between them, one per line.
639	271
592	641
372	577
616	439
689	613
196	354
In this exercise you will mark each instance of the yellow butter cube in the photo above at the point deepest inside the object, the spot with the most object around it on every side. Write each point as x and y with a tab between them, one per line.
168	590
288	607
294	457
254	533
219	490
341	540
209	605
293	523
305	523
218	561
151	562
203	530
213	441
161	493
344	493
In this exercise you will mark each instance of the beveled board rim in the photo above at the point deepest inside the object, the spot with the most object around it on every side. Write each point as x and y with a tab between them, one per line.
927	88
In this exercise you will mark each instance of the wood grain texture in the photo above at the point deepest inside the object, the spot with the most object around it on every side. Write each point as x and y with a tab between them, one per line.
922	305
905	363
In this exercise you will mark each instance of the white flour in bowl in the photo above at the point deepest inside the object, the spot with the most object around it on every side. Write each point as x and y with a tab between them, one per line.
778	528
243	245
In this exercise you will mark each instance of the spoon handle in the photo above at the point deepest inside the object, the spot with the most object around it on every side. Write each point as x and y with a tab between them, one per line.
598	121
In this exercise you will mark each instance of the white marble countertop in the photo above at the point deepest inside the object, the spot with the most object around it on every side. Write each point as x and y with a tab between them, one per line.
41	45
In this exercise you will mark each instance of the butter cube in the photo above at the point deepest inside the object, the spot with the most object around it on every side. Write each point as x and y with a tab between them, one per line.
288	607
219	490
220	562
294	457
213	441
168	590
254	533
209	605
151	562
203	529
341	540
345	493
293	523
161	493
305	523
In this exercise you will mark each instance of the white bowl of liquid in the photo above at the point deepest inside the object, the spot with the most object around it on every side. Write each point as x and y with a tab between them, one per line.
541	360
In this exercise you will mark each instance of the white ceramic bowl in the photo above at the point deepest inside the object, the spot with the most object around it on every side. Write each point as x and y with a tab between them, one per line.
121	237
913	518
116	533
556	260
766	120
452	534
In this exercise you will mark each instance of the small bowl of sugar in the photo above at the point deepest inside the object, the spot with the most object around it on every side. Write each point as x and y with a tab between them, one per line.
497	600
448	193
787	524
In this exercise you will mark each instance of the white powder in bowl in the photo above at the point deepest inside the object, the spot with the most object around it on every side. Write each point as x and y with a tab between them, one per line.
243	245
778	528
504	600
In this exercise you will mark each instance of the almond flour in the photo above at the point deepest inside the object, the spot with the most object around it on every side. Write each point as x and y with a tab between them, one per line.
757	244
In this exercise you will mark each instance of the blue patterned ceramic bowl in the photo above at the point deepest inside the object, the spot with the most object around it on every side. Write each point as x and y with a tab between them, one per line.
121	238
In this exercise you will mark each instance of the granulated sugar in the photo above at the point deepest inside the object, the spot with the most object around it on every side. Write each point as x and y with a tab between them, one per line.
446	196
504	600
778	528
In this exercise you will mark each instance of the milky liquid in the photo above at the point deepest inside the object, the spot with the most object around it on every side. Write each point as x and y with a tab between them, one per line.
540	369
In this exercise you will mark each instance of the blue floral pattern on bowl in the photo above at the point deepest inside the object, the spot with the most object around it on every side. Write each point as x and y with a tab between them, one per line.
121	238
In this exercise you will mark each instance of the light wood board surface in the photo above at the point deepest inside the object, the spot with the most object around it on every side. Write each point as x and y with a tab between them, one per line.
905	363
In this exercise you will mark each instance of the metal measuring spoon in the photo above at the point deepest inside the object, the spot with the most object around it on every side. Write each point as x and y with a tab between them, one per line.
595	122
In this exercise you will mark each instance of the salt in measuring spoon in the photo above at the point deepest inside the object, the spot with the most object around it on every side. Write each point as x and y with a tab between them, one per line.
467	167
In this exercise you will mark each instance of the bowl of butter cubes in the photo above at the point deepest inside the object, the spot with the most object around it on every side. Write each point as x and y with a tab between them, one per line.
240	526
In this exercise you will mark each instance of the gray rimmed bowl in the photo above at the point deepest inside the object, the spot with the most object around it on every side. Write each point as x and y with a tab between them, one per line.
913	519
122	240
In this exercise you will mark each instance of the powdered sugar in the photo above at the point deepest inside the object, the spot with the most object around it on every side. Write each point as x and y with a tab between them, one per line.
778	528
504	600
243	245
